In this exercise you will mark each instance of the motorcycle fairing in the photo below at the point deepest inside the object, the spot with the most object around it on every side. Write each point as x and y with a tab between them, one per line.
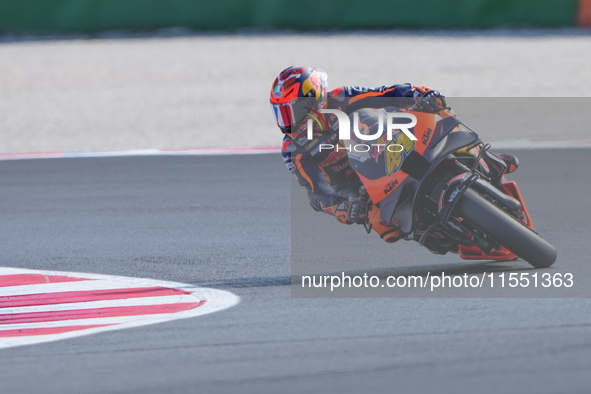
403	209
380	169
396	192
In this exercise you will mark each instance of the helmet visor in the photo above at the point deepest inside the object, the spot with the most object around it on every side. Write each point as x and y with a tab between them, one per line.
288	115
283	116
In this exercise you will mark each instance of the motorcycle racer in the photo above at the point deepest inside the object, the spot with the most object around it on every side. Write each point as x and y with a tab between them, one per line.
332	185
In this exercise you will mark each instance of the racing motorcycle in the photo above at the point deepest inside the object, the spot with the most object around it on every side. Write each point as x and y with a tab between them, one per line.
446	190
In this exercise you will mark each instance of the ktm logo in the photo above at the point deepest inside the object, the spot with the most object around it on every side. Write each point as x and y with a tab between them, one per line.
391	186
427	136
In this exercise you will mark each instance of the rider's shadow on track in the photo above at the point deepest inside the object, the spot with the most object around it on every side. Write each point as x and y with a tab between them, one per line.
472	268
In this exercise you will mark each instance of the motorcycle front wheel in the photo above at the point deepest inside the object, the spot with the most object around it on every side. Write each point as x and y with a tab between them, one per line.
506	230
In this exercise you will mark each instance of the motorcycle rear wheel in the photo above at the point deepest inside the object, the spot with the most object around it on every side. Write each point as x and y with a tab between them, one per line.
506	230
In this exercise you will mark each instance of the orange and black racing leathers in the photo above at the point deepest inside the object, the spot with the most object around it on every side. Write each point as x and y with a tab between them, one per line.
326	173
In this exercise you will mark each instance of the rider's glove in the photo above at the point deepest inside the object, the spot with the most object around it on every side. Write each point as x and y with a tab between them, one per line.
350	212
429	100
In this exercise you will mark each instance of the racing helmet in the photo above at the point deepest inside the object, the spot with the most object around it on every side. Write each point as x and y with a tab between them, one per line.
296	93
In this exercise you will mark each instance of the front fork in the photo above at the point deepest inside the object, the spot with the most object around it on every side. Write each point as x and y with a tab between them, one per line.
452	192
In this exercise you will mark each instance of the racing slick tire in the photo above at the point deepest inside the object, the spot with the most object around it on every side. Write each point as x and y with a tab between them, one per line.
506	230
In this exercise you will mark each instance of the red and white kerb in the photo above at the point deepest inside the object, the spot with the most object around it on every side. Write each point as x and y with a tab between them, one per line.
42	306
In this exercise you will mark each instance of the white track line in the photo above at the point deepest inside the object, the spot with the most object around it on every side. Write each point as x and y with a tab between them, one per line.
83	322
86	285
542	144
144	152
505	144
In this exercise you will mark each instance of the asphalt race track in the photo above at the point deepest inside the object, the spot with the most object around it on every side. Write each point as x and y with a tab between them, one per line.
224	222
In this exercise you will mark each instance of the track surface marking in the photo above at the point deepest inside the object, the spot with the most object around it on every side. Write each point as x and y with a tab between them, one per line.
43	306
